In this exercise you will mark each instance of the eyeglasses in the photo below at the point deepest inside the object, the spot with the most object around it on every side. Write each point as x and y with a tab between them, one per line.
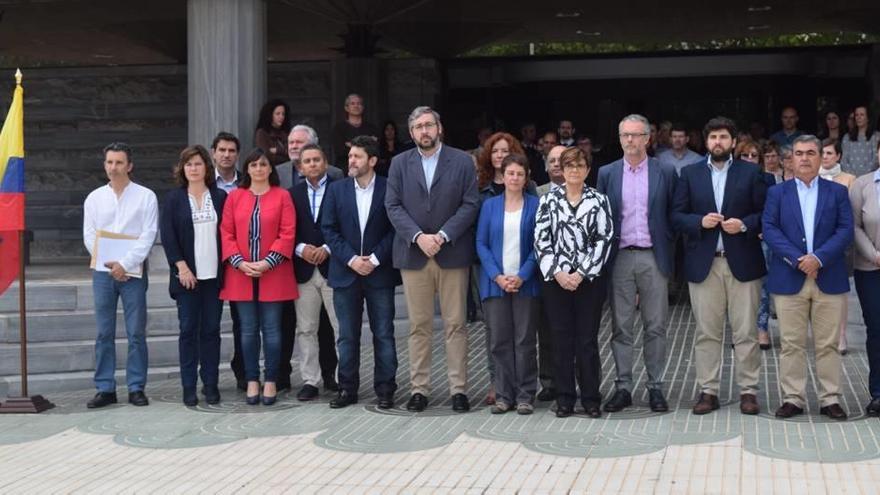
632	135
751	155
426	126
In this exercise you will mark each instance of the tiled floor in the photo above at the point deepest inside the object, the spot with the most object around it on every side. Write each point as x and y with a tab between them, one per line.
308	448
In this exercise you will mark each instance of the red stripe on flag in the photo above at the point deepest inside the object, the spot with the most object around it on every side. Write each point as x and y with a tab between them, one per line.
9	253
11	211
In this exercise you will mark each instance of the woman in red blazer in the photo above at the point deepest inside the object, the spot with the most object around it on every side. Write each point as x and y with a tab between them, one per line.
257	234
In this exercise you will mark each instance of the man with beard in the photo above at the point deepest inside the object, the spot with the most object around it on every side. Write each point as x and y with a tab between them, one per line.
432	202
718	206
566	133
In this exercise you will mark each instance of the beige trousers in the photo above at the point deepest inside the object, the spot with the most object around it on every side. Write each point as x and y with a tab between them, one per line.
308	318
715	300
809	308
420	287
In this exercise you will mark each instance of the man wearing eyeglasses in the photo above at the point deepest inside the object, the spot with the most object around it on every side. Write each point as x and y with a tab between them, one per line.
678	155
640	190
808	224
432	202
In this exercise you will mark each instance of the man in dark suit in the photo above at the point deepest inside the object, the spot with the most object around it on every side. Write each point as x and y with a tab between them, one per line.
808	224
718	206
360	235
640	190
432	201
310	264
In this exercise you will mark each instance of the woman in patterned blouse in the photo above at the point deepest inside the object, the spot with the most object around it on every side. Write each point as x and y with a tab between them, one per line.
859	144
573	235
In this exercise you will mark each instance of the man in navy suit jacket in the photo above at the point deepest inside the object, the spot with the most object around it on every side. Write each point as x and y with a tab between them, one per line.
640	190
718	206
808	225
360	235
311	264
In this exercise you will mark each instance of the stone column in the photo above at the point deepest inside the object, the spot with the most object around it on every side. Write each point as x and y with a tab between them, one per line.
226	68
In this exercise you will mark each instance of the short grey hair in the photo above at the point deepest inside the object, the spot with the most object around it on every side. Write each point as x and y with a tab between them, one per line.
313	136
634	117
353	95
418	112
807	138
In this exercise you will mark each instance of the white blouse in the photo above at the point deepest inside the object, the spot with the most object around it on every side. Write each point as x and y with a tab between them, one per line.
205	234
510	256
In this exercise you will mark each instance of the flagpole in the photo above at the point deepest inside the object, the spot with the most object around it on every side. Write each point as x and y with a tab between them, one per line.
25	403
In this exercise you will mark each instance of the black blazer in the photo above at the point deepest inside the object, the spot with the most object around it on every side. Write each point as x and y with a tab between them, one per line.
342	229
178	238
308	230
744	194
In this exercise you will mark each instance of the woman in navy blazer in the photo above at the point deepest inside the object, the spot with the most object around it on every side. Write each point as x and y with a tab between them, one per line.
189	225
509	287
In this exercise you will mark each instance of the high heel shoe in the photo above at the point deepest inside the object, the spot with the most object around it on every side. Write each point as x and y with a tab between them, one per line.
267	399
253	400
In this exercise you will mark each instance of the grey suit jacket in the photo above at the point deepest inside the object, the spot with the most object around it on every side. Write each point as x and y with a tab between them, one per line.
451	204
866	219
661	190
289	178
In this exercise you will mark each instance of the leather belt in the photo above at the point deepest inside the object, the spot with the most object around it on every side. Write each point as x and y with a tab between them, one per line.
636	248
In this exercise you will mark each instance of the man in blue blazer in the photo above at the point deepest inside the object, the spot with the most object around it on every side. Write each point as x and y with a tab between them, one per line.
808	225
640	191
359	234
718	206
432	201
311	263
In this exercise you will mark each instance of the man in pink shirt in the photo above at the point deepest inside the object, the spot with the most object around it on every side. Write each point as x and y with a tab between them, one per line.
640	190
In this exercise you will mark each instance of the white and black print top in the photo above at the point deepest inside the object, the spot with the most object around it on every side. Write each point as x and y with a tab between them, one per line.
573	238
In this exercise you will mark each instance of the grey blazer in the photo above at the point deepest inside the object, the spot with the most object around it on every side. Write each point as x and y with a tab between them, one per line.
661	190
451	204
289	178
866	219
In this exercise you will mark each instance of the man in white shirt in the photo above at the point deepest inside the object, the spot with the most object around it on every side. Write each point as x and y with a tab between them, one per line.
121	207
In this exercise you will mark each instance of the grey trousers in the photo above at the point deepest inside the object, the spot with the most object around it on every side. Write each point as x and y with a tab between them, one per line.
636	272
511	320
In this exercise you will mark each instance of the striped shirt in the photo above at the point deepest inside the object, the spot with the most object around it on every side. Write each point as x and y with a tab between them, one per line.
273	258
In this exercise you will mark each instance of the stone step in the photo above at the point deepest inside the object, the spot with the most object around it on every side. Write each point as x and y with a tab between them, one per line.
76	295
49	384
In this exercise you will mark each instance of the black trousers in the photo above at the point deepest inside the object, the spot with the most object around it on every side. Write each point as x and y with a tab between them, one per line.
574	318
326	344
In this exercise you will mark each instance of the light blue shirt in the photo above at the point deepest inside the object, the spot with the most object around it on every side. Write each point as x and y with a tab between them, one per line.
226	186
719	182
808	195
429	165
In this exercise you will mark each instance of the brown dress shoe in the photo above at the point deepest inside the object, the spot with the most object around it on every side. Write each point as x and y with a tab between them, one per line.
788	410
706	404
748	404
834	411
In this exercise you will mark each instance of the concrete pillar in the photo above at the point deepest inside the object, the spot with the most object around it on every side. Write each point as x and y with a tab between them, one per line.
226	68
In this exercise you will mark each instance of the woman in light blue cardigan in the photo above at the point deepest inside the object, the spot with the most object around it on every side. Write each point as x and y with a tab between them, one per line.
509	287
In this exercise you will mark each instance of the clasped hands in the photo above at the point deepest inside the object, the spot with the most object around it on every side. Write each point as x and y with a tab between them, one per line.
809	264
314	254
731	225
430	244
362	265
569	281
509	283
254	269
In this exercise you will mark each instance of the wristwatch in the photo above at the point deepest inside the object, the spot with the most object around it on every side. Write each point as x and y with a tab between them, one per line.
743	229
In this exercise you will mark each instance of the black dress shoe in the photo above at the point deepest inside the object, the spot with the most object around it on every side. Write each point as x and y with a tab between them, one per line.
307	392
343	399
834	411
417	403
385	401
564	411
592	410
873	408
190	398
330	384
138	399
212	394
547	394
102	399
657	401
788	410
619	401
460	403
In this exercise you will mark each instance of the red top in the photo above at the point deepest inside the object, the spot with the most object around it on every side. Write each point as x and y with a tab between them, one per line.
277	232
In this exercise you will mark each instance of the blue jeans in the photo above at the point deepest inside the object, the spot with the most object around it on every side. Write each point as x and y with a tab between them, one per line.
349	305
256	318
199	313
134	306
868	290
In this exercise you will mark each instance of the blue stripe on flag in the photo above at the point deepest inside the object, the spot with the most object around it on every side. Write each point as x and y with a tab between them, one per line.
13	179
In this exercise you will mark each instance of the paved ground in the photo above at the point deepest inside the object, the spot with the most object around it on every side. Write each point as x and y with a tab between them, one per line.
303	448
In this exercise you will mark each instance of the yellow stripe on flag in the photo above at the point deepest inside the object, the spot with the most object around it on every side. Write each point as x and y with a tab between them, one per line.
12	136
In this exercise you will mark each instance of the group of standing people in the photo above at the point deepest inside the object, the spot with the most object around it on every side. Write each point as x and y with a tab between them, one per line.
546	265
